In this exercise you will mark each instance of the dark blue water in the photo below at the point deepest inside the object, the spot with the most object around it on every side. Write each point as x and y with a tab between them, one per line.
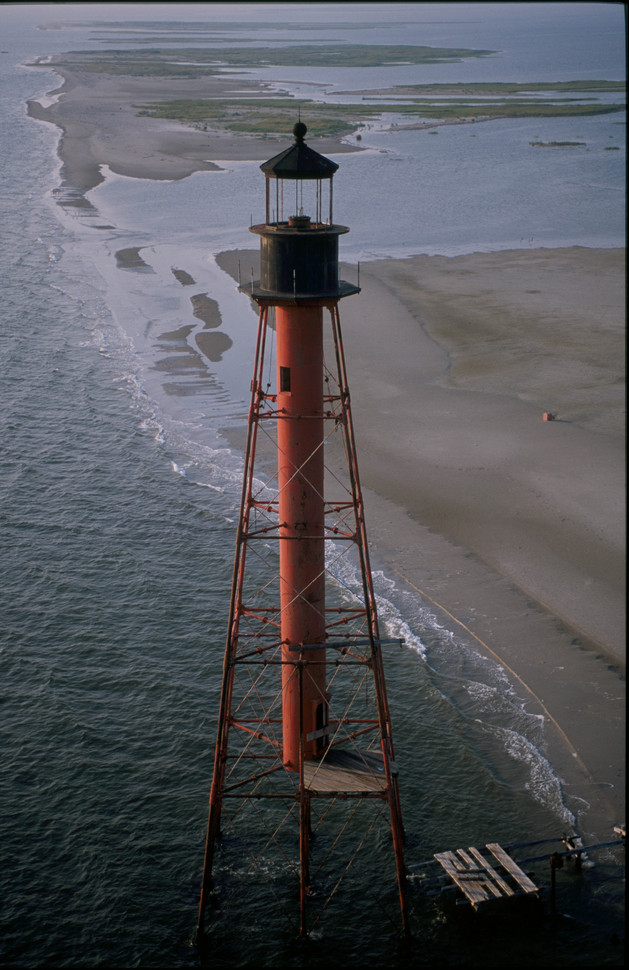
117	500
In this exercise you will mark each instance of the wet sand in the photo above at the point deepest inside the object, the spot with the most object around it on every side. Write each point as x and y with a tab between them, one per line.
511	526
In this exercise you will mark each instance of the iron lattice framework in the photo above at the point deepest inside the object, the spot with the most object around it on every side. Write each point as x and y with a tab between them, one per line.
295	834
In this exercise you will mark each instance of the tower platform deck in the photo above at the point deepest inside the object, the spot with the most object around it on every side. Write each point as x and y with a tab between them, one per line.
347	771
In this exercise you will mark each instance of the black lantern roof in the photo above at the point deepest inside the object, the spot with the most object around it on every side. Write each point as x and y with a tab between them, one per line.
299	161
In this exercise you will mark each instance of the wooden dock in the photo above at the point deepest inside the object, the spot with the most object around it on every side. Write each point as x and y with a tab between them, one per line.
479	881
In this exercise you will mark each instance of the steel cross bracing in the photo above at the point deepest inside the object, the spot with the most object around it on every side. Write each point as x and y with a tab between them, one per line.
267	815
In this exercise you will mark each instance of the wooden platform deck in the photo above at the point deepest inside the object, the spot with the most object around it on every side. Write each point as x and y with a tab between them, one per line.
348	772
479	881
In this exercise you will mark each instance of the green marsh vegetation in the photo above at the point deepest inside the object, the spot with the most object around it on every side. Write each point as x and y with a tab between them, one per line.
271	115
424	104
505	88
558	144
262	116
259	116
193	62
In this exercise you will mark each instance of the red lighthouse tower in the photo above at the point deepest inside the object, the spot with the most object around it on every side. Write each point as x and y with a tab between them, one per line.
304	735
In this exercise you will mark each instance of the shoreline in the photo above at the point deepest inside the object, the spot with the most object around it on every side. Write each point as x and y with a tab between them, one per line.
509	525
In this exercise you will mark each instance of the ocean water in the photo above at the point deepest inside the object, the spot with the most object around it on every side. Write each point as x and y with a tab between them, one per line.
119	492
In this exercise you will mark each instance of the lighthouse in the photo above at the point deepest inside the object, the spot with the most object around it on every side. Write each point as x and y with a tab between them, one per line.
304	740
299	277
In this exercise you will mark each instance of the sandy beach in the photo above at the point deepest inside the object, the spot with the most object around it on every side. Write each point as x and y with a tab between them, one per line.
512	525
481	347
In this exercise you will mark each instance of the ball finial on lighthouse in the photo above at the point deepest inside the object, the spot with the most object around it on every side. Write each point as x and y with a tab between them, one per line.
299	131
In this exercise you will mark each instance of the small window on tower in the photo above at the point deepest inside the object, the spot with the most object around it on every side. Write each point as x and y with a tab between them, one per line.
284	378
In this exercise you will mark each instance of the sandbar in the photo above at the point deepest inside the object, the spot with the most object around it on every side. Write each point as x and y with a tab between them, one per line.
100	124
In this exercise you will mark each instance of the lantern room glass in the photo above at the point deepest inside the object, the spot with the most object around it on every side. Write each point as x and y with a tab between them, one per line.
308	196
